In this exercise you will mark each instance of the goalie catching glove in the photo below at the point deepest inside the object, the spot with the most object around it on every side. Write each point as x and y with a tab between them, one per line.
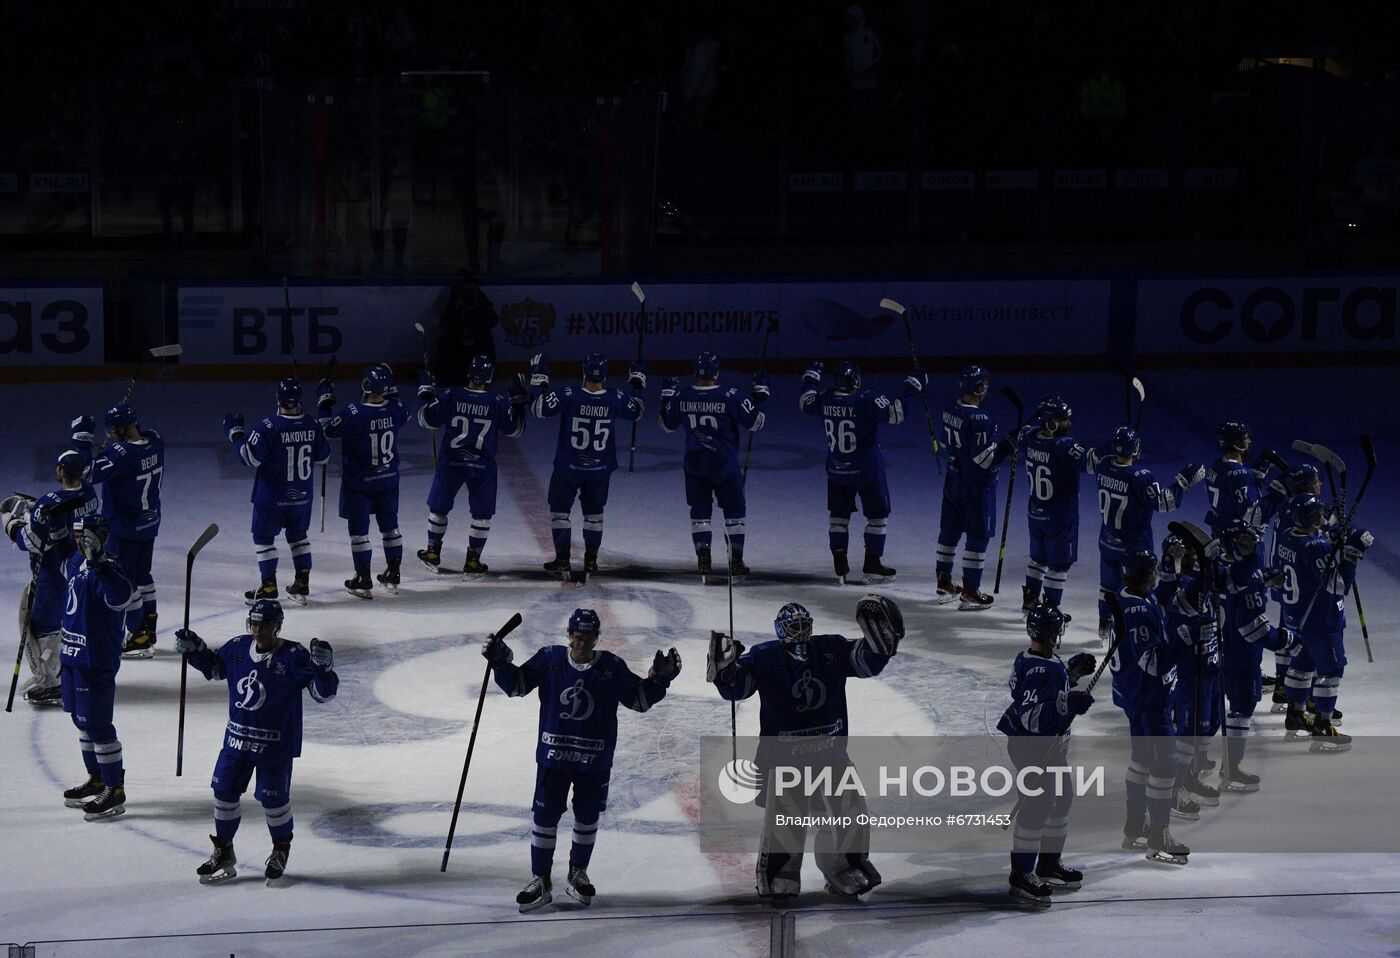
881	623
723	653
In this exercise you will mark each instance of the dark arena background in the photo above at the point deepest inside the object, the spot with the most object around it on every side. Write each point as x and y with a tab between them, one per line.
1172	215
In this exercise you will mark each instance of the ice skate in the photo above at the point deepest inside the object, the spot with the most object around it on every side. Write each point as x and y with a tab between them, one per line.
431	559
1183	808
360	586
1237	780
80	795
1326	738
1059	875
389	579
590	562
1029	887
737	569
277	861
1201	793
974	600
1135	830
537	894
1164	848
559	565
268	590
108	803
841	564
220	866
876	571
300	589
474	568
44	695
946	591
141	644
1105	631
1298	725
1312	710
578	887
1278	703
704	565
1028	600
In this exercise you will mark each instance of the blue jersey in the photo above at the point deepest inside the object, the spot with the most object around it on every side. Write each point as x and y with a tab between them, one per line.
1308	575
1246	609
712	417
285	451
1143	676
131	473
969	436
803	696
578	704
48	536
1191	632
1053	465
264	695
852	422
1230	487
1128	495
587	428
472	421
1041	700
369	439
95	613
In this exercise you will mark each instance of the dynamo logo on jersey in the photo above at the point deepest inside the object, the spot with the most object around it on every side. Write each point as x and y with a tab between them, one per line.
254	693
578	702
809	691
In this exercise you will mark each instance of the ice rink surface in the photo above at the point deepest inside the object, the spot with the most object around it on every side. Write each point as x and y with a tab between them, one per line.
372	792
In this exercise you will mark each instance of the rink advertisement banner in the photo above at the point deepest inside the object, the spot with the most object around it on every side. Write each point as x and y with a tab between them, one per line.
974	794
1298	314
51	325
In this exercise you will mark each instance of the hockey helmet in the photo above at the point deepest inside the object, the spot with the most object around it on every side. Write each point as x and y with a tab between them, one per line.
1233	436
377	380
1125	443
847	376
1307	510
1140	568
1053	409
595	368
1304	479
119	417
266	612
483	369
289	394
973	379
1240	537
793	627
71	464
1045	624
707	365
586	621
93	522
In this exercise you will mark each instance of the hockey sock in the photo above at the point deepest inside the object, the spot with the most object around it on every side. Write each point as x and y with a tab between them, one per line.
360	553
734	528
1236	735
561	531
480	529
542	839
582	850
1159	799
1055	585
1324	693
838	532
592	532
393	546
437	529
700	533
109	762
1135	783
1283	658
1185	759
972	562
1297	686
89	755
875	537
267	558
1025	845
1035	574
943	563
301	553
228	813
279	820
1052	837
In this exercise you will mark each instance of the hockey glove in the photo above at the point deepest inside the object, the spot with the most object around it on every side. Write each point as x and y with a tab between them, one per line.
325	395
187	642
881	623
427	386
1357	543
1080	665
1007	445
90	545
519	389
1079	702
670	386
496	651
723	653
82	430
321	656
813	374
637	375
916	382
14	513
1212	550
760	391
233	426
539	372
665	667
1190	474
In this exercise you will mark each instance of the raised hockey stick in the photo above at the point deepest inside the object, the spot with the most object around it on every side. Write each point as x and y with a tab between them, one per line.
1332	460
199	544
326	466
641	332
733	705
899	311
762	362
291	329
1141	390
1020	408
62	509
155	352
1368	450
501	633
428	370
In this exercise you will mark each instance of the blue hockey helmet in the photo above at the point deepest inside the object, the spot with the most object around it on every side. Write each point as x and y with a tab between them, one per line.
1233	436
289	394
1240	537
847	376
94	522
793	627
1304	479
266	612
1140	568
119	417
1307	510
377	379
1125	443
482	369
595	367
707	365
973	379
71	464
585	621
1053	409
1045	624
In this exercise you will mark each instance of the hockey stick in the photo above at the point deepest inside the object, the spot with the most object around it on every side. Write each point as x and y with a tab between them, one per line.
733	705
762	362
1141	391
641	331
1015	401
199	544
1275	460
1331	459
1368	450
155	352
501	633
899	311
326	466
62	509
426	369
287	301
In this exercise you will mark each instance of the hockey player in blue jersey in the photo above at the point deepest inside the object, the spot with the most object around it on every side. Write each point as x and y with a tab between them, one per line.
580	688
43	530
368	431
98	598
1128	496
472	419
130	470
586	454
1044	702
1303	479
284	449
800	679
1318	573
1230	484
713	416
266	675
969	490
1143	681
1054	462
854	463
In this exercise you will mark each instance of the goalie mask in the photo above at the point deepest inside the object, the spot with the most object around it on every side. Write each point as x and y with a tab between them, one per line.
793	627
881	623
